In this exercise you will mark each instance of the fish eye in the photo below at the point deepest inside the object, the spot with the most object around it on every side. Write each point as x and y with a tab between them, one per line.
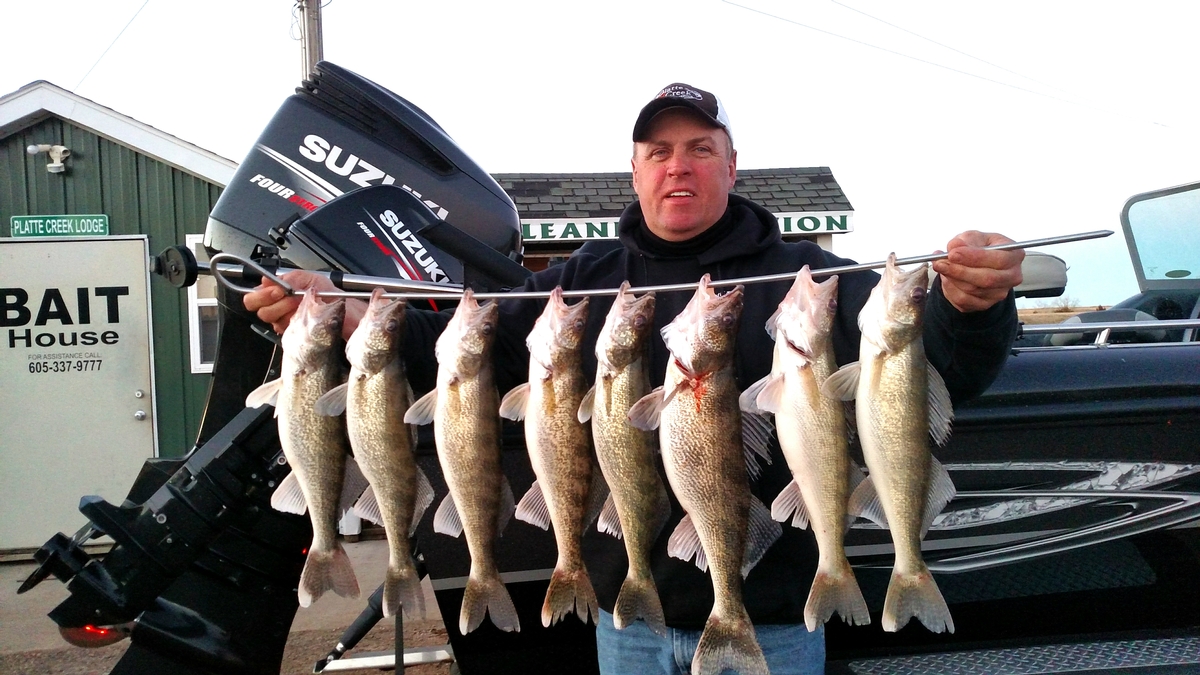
391	326
919	293
833	304
639	321
727	320
578	324
487	329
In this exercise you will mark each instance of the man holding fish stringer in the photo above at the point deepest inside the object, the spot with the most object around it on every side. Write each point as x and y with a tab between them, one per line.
685	224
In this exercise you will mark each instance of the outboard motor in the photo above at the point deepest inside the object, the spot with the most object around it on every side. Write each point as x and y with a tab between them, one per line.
341	132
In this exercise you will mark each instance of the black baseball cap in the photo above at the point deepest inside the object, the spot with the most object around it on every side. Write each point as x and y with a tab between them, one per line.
680	95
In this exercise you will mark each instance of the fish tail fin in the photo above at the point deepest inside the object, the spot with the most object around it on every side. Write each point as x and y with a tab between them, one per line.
325	571
916	595
570	591
728	643
639	599
402	589
487	594
835	590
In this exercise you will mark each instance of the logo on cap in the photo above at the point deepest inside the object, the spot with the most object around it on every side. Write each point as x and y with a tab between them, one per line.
677	91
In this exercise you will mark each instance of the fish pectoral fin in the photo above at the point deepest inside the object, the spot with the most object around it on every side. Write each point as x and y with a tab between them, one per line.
748	401
941	491
685	544
770	397
424	499
864	501
610	522
288	497
790	504
761	533
533	508
266	394
941	410
758	435
843	384
598	496
647	412
333	402
508	506
367	507
421	412
354	483
585	406
512	406
446	520
856	477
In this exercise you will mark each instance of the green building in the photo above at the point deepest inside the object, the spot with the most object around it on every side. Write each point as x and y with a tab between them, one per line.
146	182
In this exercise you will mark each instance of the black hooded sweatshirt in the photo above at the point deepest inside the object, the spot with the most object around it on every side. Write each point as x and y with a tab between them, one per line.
967	349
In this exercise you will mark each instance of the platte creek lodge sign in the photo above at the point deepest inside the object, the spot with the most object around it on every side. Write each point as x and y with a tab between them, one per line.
587	229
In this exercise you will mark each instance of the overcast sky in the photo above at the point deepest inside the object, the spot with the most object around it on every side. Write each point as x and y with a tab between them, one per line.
1031	118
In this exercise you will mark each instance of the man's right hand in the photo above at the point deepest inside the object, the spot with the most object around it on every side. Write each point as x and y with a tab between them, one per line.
274	306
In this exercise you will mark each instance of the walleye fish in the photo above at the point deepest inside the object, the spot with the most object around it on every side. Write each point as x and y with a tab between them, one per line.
813	437
560	450
901	402
701	433
314	444
463	409
638	506
375	399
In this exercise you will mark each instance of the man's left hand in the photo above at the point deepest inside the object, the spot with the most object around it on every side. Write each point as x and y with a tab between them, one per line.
974	279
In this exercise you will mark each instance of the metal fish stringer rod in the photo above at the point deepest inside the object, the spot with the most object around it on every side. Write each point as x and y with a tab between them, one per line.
421	290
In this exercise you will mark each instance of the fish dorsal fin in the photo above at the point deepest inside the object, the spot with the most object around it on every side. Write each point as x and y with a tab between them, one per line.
941	491
770	397
647	412
265	394
598	494
367	507
585	406
843	384
533	508
941	410
354	483
761	533
424	499
288	497
685	544
512	406
446	520
333	402
508	506
610	522
790	504
421	411
758	434
864	501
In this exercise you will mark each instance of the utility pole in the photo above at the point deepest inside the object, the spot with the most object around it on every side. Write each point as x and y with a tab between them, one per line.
310	36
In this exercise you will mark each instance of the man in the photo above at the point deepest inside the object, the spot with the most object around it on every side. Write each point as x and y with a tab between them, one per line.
684	224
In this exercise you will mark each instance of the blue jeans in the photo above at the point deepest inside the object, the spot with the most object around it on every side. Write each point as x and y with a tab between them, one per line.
790	649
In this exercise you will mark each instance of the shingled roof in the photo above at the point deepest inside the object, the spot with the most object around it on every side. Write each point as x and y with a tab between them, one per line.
605	195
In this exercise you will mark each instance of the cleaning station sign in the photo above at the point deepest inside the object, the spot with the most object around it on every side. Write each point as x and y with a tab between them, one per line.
76	379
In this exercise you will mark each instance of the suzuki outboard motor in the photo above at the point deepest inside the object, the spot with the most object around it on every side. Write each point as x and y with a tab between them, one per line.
341	132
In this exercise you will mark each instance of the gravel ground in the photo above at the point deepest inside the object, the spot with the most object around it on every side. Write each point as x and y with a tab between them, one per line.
303	650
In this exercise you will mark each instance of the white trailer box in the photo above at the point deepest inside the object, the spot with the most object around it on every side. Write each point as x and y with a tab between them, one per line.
77	413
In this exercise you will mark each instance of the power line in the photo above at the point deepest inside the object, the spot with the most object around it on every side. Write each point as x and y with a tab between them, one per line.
110	46
945	46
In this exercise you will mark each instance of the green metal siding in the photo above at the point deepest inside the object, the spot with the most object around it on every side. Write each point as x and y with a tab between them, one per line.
140	195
